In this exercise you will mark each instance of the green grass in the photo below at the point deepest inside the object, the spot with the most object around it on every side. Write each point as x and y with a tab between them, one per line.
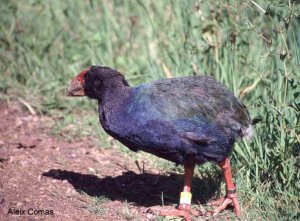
256	54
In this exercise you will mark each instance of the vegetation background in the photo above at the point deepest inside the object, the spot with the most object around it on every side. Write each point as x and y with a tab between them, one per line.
250	46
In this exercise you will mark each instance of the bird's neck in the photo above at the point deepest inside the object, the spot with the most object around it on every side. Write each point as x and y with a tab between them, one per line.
111	104
114	95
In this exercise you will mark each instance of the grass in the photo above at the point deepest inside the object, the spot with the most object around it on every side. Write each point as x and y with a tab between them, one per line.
96	207
251	48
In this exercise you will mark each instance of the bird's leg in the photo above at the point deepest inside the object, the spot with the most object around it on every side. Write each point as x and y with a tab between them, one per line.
184	208
231	196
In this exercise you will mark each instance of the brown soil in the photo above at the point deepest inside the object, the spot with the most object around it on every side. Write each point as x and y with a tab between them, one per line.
75	180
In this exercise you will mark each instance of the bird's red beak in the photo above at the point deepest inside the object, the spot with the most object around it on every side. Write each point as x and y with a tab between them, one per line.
76	88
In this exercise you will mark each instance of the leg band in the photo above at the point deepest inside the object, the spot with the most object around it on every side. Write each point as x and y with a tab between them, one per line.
231	191
185	198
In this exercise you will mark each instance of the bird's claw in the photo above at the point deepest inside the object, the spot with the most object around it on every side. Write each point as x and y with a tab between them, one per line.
223	203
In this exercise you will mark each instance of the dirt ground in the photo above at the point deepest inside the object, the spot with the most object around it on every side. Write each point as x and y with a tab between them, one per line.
46	178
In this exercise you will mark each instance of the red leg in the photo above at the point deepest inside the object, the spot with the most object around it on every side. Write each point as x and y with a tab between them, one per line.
184	208
231	196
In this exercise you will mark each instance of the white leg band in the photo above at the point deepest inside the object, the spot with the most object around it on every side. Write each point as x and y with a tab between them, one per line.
185	198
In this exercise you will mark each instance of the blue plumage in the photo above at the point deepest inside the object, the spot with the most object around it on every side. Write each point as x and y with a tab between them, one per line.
189	119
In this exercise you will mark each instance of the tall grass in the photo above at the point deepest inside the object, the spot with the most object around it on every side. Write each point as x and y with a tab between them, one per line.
250	46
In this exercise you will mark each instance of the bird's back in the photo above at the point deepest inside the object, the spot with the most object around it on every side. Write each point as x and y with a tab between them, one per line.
198	97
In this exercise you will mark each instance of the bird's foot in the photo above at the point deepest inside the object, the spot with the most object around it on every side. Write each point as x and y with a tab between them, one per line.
183	210
224	202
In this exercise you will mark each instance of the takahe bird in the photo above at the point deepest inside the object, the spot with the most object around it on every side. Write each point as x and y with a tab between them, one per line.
187	120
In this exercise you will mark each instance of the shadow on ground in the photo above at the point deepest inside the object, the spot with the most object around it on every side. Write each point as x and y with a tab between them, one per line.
142	189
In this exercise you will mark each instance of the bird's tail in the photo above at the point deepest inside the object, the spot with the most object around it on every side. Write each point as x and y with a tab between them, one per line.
249	131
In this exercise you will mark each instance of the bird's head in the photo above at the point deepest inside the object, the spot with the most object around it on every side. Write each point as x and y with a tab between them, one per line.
76	87
94	80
